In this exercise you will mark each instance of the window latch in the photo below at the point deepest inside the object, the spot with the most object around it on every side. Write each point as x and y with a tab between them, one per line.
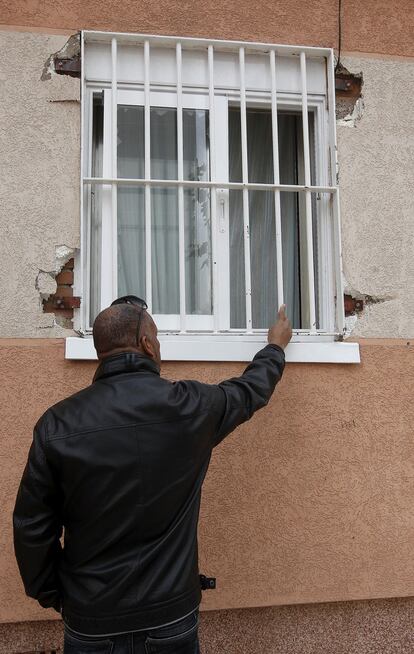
222	201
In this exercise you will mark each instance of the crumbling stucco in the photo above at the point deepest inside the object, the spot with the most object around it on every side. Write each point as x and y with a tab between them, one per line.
349	99
39	194
47	286
376	178
70	52
45	280
352	114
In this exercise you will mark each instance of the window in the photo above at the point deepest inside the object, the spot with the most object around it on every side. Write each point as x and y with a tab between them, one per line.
209	188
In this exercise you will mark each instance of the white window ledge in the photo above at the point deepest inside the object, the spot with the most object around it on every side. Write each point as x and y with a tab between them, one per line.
186	347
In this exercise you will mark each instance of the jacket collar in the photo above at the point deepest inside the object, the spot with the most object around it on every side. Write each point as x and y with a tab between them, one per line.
125	362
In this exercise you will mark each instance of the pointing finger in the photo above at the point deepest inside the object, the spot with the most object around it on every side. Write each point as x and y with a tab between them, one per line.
281	313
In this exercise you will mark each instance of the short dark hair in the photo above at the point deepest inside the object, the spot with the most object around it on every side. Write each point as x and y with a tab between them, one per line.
115	327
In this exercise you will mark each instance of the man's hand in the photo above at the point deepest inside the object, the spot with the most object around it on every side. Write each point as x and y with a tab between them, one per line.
281	332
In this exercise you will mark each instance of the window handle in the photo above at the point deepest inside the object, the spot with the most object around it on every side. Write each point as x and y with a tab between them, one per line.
222	200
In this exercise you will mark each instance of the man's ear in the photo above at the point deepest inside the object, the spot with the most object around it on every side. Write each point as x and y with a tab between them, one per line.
147	346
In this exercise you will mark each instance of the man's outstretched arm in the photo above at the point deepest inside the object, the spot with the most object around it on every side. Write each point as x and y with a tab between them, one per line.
37	526
240	397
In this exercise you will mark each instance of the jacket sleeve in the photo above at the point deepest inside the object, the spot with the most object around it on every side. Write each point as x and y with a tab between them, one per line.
37	526
237	399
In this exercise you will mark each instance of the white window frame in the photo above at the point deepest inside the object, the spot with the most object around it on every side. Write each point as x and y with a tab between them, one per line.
200	337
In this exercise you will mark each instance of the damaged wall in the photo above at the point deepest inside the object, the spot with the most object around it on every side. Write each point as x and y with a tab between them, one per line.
39	193
376	178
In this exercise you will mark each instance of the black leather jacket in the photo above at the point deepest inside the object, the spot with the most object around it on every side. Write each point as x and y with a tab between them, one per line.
120	466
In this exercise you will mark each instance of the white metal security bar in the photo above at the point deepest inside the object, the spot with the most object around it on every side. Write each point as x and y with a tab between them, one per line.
276	59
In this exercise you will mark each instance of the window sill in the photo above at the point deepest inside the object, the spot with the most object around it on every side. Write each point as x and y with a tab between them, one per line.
208	347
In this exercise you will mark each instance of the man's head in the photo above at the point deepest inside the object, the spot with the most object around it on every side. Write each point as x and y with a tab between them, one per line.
126	327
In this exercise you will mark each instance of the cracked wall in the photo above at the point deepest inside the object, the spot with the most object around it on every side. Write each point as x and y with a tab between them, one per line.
376	178
39	194
40	190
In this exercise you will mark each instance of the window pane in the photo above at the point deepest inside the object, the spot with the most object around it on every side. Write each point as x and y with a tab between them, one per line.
164	253
262	220
293	210
237	270
163	143
131	241
198	264
289	125
96	209
289	209
263	259
130	141
195	144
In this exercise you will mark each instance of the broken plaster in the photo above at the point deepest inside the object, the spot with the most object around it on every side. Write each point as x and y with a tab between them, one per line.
46	285
349	98
351	119
70	51
368	300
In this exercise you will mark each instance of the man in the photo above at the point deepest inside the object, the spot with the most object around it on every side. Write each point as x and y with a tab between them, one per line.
120	466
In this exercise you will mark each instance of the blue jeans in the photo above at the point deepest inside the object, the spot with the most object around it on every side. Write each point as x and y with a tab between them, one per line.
178	638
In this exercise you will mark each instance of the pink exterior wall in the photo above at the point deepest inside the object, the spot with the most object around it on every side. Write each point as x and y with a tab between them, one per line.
377	26
310	501
372	26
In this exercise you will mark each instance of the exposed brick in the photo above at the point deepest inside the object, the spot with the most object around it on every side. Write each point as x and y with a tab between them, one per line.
49	307
65	277
69	265
64	291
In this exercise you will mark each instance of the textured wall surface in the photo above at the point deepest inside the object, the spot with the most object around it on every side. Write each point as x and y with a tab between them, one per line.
370	26
39	192
371	627
376	174
310	501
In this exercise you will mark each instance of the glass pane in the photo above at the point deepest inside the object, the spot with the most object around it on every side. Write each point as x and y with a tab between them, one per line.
198	263
131	241
289	208
164	253
289	125
293	210
263	258
163	143
195	144
130	141
262	219
237	270
96	209
260	146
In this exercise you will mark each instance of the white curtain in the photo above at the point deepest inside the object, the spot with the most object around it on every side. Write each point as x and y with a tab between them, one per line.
164	210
